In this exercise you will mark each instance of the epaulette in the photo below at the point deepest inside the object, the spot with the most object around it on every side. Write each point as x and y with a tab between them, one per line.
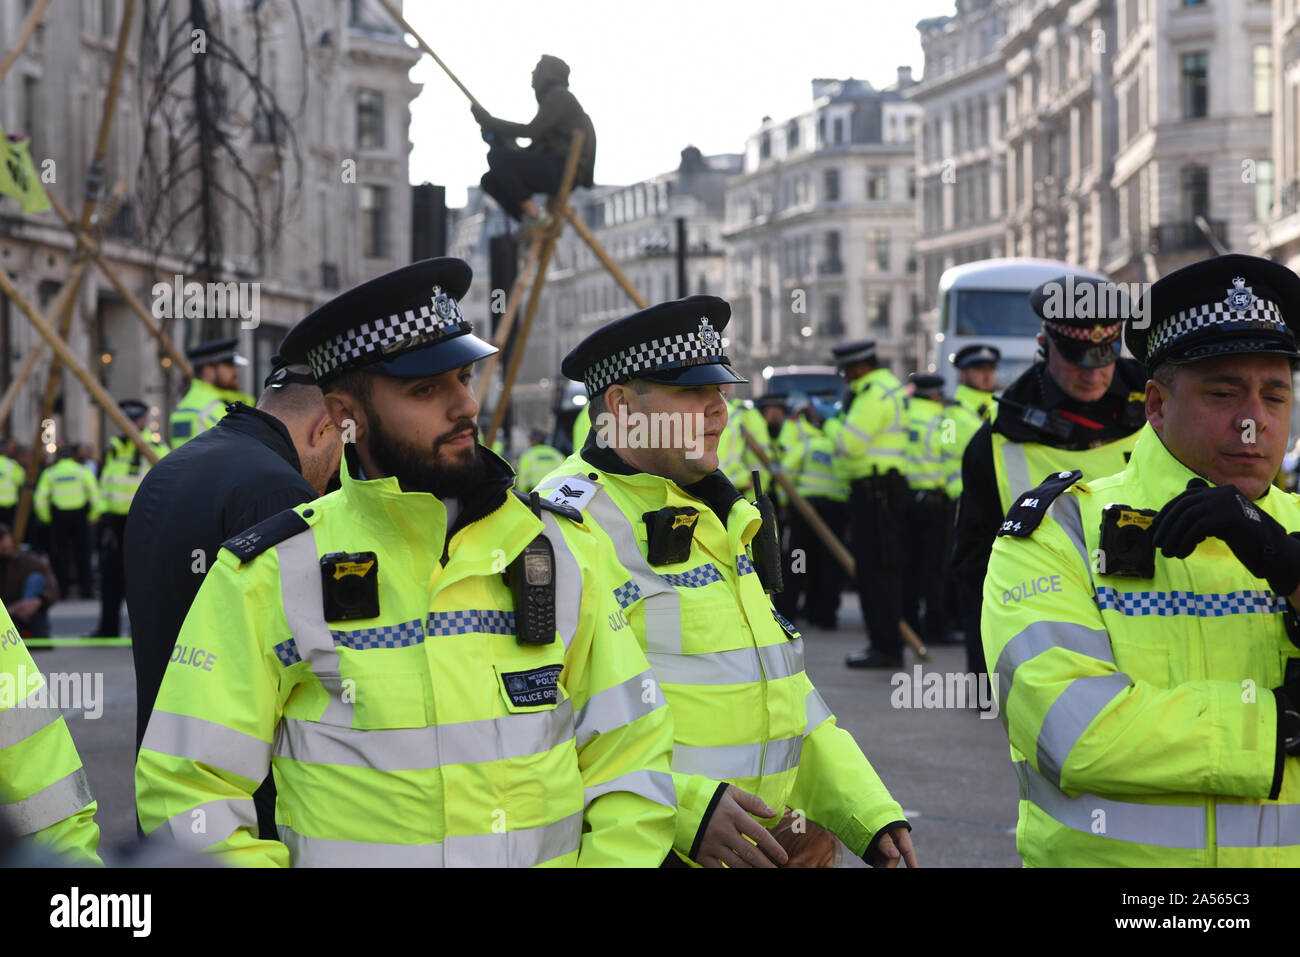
559	508
1025	516
250	543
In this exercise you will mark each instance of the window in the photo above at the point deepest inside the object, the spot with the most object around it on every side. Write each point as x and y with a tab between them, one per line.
832	263
370	119
1194	191
833	323
765	146
374	221
1263	79
878	308
1195	85
1263	190
839	130
265	128
31	110
911	184
832	185
792	136
107	18
878	183
879	246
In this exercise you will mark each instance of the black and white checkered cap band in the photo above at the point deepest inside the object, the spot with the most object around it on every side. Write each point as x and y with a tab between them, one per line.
1213	314
670	352
350	347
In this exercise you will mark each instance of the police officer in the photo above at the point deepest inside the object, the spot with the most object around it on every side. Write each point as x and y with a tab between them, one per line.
44	795
124	467
437	672
692	567
736	459
1079	407
973	400
1142	626
214	386
538	459
872	443
928	514
66	495
12	476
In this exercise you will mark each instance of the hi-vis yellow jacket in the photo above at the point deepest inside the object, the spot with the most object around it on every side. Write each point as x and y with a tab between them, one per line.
1143	729
969	410
735	458
124	469
67	485
426	736
873	433
1018	466
744	710
202	407
44	794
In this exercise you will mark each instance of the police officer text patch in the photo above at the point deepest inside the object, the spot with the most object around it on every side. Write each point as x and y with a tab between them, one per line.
528	689
1030	507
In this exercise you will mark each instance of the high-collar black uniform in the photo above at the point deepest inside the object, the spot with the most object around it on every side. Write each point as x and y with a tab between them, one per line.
1119	412
241	471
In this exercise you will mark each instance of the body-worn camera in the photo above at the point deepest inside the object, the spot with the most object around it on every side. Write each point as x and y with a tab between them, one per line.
350	585
669	533
1126	548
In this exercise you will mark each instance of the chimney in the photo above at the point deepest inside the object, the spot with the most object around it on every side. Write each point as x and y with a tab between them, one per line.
904	77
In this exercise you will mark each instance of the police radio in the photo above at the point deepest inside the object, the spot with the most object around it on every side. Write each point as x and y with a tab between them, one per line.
350	585
531	577
1126	547
766	544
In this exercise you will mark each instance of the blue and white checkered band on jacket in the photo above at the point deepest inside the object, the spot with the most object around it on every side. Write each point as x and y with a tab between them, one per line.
379	338
658	355
1200	318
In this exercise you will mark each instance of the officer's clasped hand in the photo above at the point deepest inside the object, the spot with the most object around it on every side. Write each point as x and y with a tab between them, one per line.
1259	542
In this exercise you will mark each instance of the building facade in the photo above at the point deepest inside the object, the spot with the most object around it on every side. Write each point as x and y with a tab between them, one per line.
821	229
347	217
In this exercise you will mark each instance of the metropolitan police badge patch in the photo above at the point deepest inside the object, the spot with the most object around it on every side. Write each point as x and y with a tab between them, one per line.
530	689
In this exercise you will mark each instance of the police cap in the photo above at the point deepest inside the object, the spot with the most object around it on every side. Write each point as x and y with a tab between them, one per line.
772	401
927	384
1083	317
977	354
133	409
860	350
406	323
673	343
1221	306
215	351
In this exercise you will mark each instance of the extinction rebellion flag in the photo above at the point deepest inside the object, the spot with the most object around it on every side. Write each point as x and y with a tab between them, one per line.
18	177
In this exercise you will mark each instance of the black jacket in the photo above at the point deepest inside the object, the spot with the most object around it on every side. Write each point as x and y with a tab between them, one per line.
1116	414
241	471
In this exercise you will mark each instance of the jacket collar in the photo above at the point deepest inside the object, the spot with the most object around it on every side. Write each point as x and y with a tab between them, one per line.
973	399
266	428
715	489
1160	476
881	375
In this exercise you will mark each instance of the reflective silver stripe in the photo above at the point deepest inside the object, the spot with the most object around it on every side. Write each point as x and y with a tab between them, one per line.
1257	825
655	786
735	761
1042	636
418	749
209	823
568	581
662	605
1069	716
21	722
209	743
736	667
524	848
1017	470
1157	825
1066	512
816	709
62	799
617	707
300	594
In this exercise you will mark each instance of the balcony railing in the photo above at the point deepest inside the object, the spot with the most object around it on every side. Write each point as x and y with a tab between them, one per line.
1170	237
832	267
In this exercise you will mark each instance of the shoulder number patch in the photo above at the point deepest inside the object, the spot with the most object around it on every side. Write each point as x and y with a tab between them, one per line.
1029	508
247	545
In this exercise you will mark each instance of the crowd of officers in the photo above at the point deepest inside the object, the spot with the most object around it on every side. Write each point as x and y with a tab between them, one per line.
593	659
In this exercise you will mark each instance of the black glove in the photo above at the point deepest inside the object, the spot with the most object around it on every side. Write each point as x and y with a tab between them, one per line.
1288	708
1258	541
481	115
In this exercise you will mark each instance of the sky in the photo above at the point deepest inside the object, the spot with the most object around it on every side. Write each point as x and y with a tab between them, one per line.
655	77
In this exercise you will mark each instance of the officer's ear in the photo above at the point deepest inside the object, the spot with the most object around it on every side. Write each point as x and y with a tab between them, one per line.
1156	394
348	415
618	395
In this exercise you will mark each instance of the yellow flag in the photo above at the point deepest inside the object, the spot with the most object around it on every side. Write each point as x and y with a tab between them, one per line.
18	177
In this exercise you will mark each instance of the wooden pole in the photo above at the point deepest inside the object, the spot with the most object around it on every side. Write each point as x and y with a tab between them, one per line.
828	537
65	320
544	258
137	307
11	393
508	320
396	14
612	267
25	34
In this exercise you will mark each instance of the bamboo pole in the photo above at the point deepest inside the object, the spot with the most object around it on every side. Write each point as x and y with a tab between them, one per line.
544	258
605	260
396	14
828	537
508	320
25	34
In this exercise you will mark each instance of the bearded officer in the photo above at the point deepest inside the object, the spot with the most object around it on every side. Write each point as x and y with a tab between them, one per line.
693	566
1142	627
1079	407
430	666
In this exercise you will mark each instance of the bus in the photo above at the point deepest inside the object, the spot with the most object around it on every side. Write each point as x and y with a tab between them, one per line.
988	302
